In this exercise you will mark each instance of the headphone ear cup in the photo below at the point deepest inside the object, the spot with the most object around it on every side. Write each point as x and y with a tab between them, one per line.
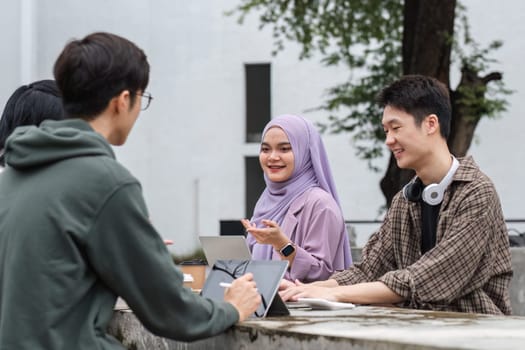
412	190
433	194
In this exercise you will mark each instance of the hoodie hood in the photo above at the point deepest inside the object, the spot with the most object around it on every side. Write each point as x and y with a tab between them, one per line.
31	146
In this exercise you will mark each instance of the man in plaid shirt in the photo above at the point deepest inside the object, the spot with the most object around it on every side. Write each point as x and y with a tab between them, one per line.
443	244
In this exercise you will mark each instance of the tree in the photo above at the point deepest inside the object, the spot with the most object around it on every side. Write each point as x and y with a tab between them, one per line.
381	40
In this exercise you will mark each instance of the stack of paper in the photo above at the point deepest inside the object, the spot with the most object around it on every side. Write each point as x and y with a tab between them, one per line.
188	278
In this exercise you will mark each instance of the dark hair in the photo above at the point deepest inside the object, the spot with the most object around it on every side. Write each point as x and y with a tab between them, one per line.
419	96
91	71
30	105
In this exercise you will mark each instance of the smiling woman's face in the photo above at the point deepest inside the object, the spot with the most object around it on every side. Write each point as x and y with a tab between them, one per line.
276	155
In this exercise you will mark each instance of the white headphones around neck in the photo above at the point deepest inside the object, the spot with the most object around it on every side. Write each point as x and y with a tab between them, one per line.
433	193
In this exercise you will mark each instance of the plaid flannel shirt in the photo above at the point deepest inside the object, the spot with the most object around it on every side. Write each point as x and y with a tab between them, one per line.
469	269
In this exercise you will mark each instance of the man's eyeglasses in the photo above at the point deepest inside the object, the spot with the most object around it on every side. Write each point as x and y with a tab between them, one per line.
147	102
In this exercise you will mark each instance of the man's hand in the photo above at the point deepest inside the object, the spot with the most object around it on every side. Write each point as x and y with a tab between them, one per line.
290	291
360	293
243	295
307	291
285	284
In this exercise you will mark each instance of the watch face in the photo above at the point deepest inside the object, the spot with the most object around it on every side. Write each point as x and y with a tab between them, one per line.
289	249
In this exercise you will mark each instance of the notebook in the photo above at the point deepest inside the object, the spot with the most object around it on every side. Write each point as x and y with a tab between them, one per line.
266	273
224	247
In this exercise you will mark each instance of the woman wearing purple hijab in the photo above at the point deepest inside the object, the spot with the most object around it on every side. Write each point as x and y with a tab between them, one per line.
298	216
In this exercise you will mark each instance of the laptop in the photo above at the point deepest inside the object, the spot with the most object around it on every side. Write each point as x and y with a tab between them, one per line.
267	275
224	247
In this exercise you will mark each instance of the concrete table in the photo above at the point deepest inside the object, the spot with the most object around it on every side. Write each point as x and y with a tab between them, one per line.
378	328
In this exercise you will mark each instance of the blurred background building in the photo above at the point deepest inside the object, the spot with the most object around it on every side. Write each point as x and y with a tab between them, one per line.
215	85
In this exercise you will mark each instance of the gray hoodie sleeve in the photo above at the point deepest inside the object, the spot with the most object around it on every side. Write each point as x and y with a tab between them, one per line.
131	258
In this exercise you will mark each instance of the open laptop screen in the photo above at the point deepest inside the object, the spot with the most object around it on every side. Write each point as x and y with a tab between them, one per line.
224	247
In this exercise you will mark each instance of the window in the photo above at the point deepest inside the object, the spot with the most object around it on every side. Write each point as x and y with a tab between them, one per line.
254	183
258	100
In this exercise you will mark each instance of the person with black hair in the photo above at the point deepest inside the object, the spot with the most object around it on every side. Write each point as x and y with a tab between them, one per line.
30	105
443	244
74	229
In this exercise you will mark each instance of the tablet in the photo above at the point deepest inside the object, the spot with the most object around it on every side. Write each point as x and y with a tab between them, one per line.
266	273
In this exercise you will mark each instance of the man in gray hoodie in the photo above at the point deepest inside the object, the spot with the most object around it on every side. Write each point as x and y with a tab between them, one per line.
74	228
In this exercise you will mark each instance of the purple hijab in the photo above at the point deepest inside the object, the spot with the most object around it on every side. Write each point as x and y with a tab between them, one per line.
311	169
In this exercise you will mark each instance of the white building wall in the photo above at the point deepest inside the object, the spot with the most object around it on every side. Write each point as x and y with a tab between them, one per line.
500	147
11	51
188	148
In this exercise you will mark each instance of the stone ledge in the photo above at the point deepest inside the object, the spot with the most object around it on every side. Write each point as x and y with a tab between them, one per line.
517	285
377	328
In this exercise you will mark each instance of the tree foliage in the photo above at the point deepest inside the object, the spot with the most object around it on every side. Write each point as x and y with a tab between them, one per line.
377	40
